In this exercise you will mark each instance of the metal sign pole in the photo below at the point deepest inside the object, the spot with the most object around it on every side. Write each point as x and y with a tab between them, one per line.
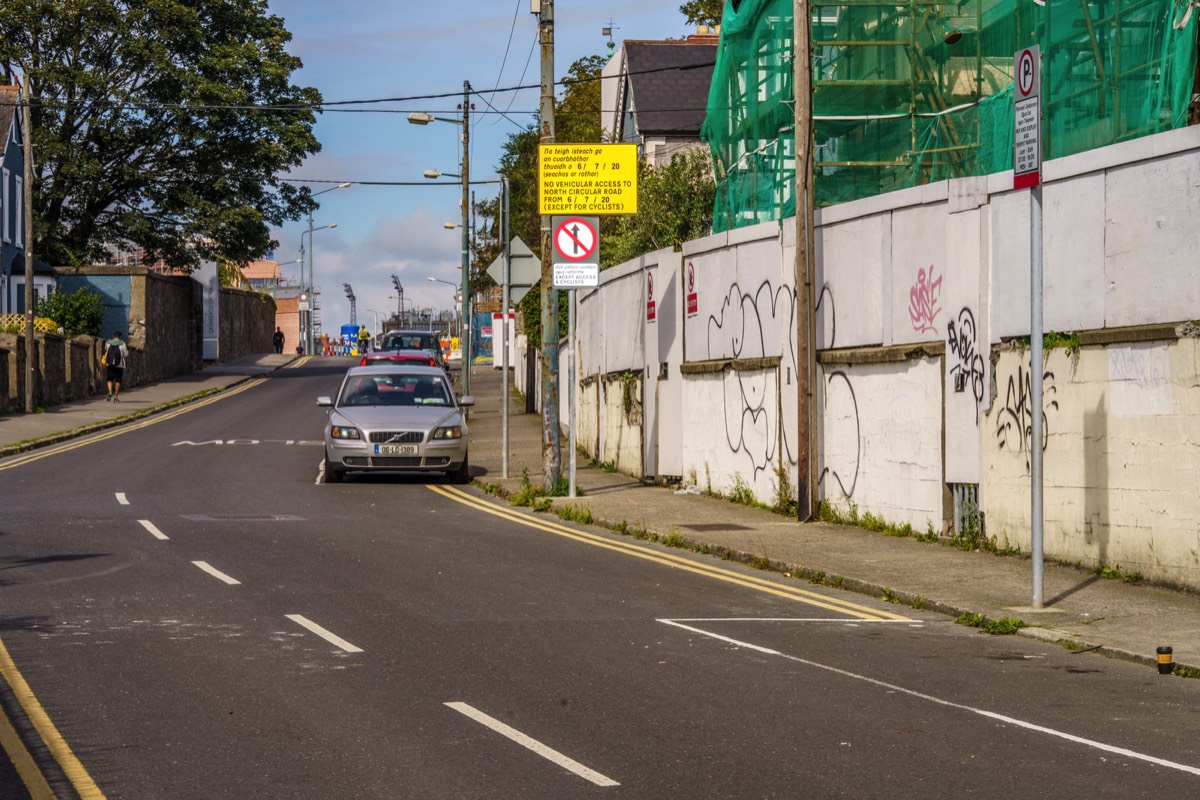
571	390
504	331
1027	166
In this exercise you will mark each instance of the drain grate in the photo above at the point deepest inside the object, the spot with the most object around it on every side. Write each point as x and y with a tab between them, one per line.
716	526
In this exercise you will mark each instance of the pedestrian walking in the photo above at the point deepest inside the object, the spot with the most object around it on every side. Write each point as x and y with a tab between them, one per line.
114	359
325	344
277	339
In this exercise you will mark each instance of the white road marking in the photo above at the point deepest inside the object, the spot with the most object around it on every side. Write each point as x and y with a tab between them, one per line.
216	573
1108	748
533	744
324	634
155	532
122	499
854	620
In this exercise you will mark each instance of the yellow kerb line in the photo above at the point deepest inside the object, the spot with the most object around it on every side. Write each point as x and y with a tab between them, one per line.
759	584
71	766
119	430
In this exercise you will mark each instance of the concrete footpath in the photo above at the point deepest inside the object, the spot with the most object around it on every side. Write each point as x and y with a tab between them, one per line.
1081	609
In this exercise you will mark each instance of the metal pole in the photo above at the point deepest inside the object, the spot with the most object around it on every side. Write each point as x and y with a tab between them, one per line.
27	139
571	295
466	236
504	297
309	342
551	434
1035	389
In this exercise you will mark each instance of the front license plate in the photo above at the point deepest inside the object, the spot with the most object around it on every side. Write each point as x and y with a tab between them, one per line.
395	449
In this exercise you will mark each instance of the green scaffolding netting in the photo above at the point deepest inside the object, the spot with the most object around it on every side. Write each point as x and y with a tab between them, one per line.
909	93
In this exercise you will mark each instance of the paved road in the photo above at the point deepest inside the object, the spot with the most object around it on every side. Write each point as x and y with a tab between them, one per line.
198	617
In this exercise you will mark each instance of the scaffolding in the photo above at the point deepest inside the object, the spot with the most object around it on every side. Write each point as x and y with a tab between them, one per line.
910	93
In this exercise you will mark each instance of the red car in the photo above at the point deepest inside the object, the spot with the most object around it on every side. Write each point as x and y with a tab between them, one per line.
422	357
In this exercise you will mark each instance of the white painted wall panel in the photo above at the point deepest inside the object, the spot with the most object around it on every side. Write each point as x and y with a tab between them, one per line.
730	431
624	318
1121	487
1150	241
709	276
1073	282
917	305
881	440
966	362
849	281
1009	277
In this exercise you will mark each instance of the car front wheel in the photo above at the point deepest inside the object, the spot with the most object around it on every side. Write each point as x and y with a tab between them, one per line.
333	474
462	475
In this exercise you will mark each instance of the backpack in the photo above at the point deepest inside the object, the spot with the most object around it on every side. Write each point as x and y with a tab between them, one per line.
112	355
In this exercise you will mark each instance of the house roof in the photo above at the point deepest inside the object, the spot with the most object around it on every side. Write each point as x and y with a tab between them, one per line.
10	96
666	100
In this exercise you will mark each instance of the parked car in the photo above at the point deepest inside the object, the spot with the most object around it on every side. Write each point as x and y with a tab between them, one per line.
415	340
396	417
422	357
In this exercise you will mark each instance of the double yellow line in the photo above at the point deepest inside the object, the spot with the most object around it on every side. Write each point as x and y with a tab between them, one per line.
796	593
10	740
121	429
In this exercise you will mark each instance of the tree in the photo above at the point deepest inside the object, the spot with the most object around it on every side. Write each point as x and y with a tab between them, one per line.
77	312
161	124
703	12
675	205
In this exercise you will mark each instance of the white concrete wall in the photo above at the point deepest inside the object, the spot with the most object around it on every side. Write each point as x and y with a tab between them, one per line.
1121	457
880	440
942	269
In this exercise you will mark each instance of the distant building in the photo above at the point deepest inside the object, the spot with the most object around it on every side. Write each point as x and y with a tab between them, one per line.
12	202
654	94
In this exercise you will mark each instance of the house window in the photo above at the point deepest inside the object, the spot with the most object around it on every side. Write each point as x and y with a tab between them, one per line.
19	213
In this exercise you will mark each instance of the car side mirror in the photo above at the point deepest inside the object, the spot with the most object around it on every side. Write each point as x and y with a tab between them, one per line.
324	401
466	401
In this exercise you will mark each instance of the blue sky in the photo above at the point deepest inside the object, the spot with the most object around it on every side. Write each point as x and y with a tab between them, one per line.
363	49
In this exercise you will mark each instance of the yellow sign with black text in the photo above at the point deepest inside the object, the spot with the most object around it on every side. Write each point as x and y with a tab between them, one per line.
590	179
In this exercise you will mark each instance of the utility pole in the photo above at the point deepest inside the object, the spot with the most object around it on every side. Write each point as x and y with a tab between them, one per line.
465	344
806	368
27	139
551	438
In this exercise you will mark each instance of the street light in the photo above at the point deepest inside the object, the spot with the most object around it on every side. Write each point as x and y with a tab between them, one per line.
306	327
418	118
309	343
457	291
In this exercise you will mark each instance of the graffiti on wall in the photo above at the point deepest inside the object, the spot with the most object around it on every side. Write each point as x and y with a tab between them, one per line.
962	342
1014	428
752	408
923	301
842	427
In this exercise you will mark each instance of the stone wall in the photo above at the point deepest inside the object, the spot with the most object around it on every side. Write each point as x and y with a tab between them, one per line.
247	323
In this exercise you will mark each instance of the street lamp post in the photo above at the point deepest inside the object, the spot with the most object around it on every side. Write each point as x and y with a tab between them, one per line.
425	119
309	344
306	287
457	292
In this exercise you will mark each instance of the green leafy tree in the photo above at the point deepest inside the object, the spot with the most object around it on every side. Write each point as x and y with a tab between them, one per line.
151	125
703	12
78	312
675	205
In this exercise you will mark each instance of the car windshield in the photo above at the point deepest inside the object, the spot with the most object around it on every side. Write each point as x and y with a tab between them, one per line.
396	389
409	342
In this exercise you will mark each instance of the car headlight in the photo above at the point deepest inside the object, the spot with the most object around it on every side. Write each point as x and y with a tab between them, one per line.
344	432
450	432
